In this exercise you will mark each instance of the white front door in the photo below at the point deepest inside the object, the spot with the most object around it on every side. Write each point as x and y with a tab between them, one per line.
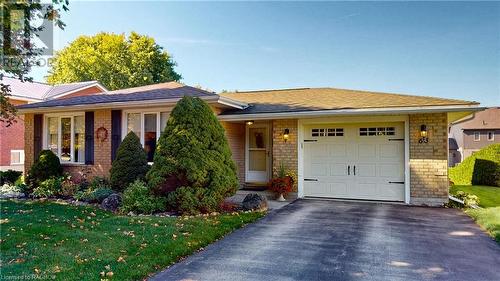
355	161
257	153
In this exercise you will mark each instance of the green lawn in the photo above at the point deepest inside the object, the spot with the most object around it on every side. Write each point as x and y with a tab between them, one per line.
489	219
489	196
85	243
489	199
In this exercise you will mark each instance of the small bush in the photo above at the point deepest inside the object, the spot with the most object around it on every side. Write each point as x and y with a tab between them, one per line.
94	192
98	195
487	171
49	188
130	164
470	200
138	198
9	176
69	188
194	200
99	182
9	189
23	188
45	167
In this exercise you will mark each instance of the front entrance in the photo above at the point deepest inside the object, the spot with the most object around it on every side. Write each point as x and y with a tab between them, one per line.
257	153
355	161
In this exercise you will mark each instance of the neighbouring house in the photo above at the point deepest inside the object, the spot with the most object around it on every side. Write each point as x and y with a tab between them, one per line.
12	137
341	143
472	133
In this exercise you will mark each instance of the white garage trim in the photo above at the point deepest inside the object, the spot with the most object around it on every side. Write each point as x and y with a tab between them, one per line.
346	120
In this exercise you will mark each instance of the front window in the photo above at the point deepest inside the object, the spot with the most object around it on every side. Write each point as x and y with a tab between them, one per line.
491	136
65	136
477	136
148	127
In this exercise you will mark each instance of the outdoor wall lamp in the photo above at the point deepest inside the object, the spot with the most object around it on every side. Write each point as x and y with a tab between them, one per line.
249	122
423	134
286	134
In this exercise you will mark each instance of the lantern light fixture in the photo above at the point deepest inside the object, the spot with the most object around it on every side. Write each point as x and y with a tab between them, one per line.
286	134
249	122
423	134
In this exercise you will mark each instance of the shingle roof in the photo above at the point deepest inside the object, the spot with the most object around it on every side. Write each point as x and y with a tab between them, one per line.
41	91
169	90
487	119
308	99
28	90
64	88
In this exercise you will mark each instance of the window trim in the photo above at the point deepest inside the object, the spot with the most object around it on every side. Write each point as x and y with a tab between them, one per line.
478	136
21	156
143	112
492	135
379	131
59	116
327	132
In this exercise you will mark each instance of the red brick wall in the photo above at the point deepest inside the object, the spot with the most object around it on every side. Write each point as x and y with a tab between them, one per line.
12	137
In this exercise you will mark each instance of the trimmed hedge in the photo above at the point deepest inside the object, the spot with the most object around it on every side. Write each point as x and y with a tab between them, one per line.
481	168
130	164
192	163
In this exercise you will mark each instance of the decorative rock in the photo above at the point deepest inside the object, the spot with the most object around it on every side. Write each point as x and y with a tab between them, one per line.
254	201
112	202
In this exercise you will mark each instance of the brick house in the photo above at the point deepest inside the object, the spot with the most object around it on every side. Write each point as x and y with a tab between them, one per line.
341	143
12	137
472	133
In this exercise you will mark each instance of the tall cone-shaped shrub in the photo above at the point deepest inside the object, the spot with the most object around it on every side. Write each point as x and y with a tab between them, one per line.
192	163
130	163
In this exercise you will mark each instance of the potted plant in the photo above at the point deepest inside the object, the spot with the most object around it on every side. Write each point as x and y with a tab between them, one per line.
282	182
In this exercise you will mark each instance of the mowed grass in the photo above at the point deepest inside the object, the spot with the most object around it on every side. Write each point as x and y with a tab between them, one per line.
54	241
489	219
489	196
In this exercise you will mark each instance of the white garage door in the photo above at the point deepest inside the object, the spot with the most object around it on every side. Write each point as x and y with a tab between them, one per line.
355	161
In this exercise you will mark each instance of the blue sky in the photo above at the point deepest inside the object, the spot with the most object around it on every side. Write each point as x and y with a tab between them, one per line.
437	49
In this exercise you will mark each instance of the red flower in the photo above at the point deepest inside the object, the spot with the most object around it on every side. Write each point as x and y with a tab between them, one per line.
281	185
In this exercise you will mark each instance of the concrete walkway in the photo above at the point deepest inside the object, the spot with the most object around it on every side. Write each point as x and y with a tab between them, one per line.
333	240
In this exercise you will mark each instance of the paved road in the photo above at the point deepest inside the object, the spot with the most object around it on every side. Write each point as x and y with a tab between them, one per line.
332	240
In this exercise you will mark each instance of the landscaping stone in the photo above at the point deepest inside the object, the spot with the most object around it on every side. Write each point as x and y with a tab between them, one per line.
254	201
112	202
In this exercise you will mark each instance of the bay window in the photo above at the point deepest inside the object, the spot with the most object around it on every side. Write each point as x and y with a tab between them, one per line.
148	127
65	136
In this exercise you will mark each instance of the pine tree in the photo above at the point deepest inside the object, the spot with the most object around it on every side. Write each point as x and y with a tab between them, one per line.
130	164
192	163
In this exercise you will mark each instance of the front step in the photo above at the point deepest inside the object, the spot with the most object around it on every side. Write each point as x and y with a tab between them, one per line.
266	193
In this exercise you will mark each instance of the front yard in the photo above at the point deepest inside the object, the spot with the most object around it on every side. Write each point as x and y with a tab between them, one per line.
46	239
488	216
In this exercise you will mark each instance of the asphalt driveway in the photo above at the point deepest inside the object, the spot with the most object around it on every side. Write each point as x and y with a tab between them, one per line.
332	240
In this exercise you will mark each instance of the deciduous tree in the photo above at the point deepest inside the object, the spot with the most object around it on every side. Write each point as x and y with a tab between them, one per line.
114	60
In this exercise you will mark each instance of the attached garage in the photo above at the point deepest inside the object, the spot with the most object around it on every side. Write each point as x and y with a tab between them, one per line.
354	161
